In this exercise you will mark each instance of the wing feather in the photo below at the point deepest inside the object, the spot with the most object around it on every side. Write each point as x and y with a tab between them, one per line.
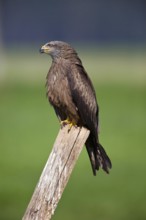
83	96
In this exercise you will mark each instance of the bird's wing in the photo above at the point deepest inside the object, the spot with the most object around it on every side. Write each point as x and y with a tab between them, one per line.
83	96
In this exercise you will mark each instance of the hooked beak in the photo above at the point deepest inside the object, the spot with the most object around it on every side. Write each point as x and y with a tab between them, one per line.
41	50
44	49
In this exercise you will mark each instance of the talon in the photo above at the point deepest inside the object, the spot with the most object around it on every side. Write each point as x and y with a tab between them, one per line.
65	122
68	122
70	126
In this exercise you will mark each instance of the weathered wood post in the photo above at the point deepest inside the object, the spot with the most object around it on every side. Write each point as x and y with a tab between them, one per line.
56	173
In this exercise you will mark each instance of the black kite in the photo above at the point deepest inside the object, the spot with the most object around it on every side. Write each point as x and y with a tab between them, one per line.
73	97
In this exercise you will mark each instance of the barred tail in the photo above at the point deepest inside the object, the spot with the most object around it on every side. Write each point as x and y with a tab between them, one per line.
97	155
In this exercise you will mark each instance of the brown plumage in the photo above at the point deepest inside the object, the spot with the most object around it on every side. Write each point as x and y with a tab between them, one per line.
73	97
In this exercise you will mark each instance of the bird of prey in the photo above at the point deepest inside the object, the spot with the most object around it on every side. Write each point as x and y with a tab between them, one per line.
71	93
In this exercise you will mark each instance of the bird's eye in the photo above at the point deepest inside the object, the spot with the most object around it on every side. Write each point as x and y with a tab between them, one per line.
48	45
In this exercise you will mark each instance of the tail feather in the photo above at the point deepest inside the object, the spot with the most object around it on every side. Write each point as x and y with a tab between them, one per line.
92	158
103	159
97	155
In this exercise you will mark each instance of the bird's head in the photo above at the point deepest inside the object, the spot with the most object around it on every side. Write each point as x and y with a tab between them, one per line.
58	49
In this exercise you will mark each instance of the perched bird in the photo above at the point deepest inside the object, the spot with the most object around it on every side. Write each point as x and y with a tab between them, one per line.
71	93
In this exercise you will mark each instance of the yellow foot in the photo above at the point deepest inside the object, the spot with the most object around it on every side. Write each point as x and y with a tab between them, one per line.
68	122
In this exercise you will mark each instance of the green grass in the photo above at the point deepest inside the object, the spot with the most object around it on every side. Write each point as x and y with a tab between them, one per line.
28	128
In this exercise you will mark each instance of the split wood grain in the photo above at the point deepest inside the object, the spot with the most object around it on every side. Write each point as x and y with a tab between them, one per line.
56	173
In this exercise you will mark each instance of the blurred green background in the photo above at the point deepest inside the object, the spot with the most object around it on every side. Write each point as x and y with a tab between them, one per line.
28	128
110	37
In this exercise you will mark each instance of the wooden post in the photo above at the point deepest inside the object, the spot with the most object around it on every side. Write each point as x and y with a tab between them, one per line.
56	173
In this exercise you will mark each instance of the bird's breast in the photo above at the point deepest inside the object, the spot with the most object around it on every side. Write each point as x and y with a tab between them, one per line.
56	86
